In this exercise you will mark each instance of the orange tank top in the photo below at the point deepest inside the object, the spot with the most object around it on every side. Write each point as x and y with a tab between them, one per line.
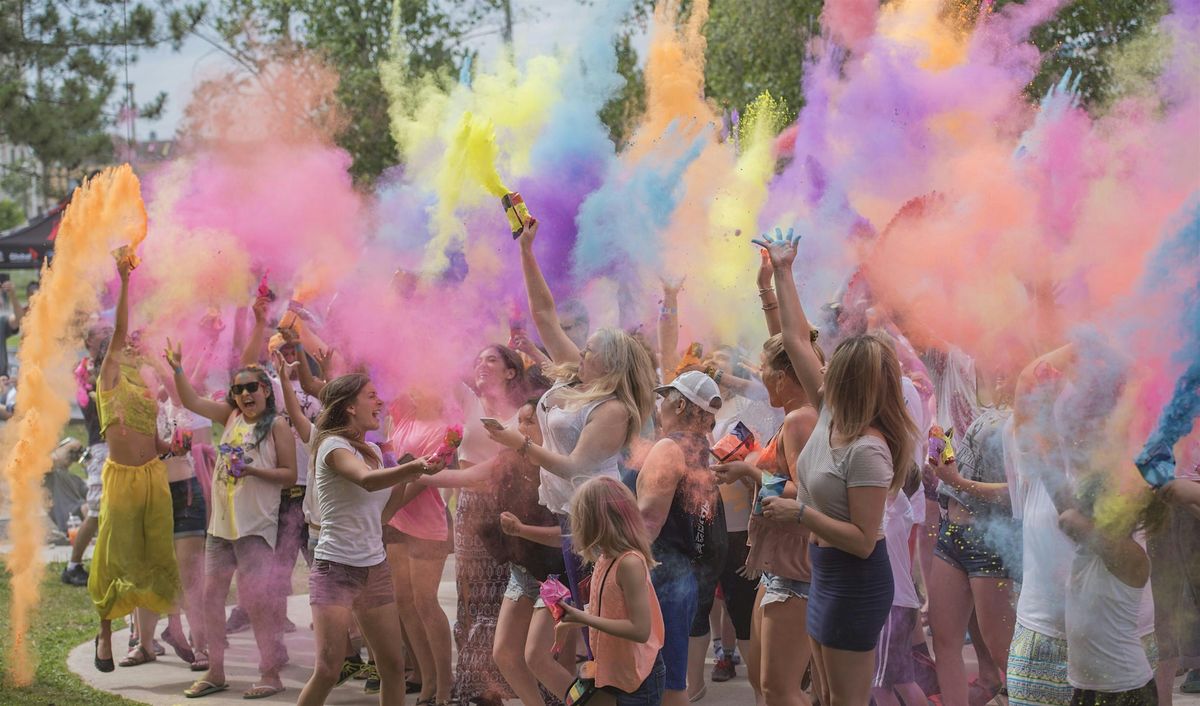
779	548
619	662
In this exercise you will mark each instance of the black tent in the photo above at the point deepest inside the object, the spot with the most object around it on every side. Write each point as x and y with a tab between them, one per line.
27	246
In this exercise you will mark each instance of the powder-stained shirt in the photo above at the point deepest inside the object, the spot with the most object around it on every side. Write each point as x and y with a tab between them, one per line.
825	474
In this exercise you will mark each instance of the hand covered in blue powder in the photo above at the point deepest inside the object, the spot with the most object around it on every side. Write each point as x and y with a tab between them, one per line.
780	248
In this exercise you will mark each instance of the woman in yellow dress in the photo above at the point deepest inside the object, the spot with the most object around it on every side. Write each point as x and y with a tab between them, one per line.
134	562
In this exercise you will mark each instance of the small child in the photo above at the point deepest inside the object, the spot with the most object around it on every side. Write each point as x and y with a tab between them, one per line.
623	611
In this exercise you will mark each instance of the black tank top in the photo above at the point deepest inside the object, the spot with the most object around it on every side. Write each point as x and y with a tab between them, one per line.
696	515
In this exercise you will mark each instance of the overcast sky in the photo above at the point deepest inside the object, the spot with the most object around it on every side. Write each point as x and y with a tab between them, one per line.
537	26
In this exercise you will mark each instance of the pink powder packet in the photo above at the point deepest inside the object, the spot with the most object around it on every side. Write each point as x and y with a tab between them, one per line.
553	592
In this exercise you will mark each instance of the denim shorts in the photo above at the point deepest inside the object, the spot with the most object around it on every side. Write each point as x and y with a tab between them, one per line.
650	693
522	584
189	510
779	589
965	548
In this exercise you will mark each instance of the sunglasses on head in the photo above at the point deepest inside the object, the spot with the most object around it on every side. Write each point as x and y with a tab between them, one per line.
250	387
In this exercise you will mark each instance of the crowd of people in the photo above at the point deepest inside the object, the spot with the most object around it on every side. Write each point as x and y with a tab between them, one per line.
617	505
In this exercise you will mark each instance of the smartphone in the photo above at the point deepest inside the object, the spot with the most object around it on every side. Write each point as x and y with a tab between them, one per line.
489	423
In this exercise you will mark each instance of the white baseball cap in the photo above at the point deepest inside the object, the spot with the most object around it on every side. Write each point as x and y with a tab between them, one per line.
698	388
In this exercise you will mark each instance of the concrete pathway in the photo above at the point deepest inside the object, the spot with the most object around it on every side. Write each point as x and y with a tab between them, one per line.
162	683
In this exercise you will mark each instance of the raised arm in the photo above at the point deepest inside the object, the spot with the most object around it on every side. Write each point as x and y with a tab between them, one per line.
111	367
254	342
291	403
668	330
766	293
797	332
541	302
212	410
18	309
309	382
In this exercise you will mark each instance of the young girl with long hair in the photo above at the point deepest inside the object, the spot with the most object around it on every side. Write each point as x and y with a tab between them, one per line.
860	449
622	610
257	457
350	578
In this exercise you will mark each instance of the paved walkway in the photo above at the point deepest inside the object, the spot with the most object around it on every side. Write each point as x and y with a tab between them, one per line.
162	683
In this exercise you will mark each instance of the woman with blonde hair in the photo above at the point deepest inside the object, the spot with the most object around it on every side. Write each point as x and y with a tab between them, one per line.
860	449
598	404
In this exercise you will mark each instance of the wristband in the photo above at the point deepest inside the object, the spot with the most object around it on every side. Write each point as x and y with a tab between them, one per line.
178	369
668	311
717	377
800	517
524	450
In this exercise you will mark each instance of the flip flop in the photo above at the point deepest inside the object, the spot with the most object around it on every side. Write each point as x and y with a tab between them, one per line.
261	691
203	688
140	655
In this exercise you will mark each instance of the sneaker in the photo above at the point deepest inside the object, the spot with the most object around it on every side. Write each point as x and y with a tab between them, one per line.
1191	683
717	648
372	684
77	576
724	670
351	668
238	621
735	657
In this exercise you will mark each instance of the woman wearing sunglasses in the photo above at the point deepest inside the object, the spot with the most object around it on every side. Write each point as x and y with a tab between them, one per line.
257	457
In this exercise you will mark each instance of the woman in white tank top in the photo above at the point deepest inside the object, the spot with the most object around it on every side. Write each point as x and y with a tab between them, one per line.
603	395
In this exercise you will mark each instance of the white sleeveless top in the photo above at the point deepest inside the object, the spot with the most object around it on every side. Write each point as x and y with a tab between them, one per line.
1102	629
561	429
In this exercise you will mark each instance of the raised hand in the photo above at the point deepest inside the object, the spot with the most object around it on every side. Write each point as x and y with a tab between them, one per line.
325	360
285	368
781	248
173	354
765	270
671	288
528	233
260	309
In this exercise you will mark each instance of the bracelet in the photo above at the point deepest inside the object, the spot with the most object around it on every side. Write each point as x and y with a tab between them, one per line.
768	290
524	450
178	369
768	307
668	311
800	517
718	375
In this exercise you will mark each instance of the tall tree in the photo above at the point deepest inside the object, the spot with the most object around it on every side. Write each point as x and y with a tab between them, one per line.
59	72
353	37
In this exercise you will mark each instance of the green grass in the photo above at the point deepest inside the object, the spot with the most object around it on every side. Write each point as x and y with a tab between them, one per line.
65	618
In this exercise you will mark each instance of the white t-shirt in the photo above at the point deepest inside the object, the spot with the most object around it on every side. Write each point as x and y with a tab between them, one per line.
351	517
1044	548
897	527
1103	641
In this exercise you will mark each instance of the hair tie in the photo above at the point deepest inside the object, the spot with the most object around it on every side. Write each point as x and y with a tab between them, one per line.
813	334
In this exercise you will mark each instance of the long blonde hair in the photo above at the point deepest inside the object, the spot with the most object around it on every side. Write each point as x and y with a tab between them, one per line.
862	389
337	395
605	520
628	376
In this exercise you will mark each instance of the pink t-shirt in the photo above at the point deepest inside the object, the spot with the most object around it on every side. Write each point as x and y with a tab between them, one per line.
425	516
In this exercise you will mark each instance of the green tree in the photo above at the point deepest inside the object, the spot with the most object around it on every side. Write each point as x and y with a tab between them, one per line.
11	214
621	113
1083	36
353	37
59	64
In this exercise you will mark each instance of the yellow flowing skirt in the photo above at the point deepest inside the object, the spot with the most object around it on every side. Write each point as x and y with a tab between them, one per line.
133	565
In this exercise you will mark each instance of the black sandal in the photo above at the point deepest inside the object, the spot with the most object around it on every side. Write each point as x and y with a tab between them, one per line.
139	656
103	665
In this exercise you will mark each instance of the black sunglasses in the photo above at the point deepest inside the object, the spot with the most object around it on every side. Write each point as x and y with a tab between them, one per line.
250	387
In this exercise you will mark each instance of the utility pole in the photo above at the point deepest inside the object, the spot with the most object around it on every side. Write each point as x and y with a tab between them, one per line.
508	22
